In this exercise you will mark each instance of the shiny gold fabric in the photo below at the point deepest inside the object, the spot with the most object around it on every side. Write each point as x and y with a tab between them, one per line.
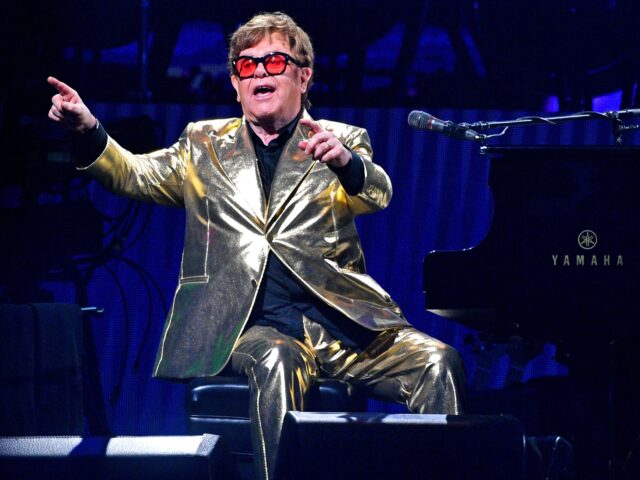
402	365
308	222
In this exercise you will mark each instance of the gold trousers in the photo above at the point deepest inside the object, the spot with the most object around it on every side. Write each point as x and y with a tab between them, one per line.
401	364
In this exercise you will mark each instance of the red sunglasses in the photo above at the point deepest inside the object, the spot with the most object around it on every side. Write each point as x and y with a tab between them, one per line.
275	63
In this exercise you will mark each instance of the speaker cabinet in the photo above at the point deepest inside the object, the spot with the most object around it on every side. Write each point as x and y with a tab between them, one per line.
200	457
407	446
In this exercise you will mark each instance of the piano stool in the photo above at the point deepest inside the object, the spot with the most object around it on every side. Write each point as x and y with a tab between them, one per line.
220	405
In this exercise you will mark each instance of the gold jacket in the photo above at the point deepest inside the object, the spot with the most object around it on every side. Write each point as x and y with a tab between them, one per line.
308	222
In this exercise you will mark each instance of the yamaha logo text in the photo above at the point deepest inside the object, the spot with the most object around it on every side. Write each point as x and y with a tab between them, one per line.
586	256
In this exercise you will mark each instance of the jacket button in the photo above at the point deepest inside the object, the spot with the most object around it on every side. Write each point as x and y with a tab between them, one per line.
254	283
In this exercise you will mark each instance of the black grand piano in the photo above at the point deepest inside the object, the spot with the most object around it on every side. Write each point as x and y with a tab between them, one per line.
561	264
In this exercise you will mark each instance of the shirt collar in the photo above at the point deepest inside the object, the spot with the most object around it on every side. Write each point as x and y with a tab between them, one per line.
283	134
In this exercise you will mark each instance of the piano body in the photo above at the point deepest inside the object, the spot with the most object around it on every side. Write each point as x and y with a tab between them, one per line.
563	250
561	263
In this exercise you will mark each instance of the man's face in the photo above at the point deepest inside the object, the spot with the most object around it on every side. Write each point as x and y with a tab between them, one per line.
271	101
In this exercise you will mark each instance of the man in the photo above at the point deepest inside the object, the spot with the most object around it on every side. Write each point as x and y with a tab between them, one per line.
273	277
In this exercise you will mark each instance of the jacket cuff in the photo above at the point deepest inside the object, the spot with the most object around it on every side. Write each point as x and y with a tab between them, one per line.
90	145
351	176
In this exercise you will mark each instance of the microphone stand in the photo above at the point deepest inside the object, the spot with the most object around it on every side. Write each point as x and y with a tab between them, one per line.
617	124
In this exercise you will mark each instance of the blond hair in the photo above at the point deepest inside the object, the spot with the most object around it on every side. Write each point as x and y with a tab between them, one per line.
266	24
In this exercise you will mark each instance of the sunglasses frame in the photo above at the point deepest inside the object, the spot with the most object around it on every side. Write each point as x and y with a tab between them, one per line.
262	60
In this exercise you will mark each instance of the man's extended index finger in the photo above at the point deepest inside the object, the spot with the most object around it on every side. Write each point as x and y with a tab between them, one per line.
315	127
62	87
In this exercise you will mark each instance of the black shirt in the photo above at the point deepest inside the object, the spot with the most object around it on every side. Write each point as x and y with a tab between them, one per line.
282	300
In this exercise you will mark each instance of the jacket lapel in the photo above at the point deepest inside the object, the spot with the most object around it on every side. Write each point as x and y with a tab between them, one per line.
239	163
293	167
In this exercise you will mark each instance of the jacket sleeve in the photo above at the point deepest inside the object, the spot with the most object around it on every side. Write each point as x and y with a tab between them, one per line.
156	177
377	190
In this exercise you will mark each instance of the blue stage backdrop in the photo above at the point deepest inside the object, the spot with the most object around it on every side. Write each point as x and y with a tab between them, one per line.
441	201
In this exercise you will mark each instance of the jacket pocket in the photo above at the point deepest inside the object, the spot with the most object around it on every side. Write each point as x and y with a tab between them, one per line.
194	279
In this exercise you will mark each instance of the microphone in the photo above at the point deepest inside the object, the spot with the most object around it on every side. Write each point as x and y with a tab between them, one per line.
424	121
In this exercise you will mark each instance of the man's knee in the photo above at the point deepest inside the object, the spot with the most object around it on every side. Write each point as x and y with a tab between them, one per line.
283	353
273	356
438	354
449	358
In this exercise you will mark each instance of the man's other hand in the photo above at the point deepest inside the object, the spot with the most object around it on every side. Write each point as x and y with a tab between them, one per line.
324	146
68	108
